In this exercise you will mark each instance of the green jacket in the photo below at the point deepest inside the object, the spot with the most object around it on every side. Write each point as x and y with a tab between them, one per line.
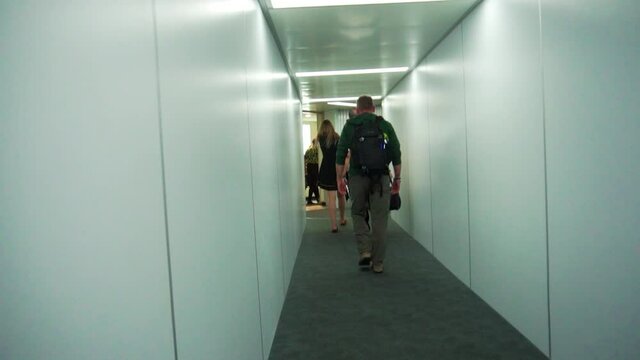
346	140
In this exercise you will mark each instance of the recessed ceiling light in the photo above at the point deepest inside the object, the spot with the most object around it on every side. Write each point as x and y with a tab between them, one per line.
351	98
338	103
351	72
282	4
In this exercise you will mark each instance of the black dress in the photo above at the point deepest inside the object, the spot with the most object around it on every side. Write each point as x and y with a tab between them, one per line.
327	176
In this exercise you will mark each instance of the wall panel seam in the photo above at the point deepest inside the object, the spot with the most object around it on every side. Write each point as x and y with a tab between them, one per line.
253	198
282	256
466	142
163	175
433	239
546	191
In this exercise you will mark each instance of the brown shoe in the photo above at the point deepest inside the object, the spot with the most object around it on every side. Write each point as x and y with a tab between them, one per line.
378	268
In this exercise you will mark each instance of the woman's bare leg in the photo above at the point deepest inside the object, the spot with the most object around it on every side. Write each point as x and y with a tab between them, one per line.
341	206
331	207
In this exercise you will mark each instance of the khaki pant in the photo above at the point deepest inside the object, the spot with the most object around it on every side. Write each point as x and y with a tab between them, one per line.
377	203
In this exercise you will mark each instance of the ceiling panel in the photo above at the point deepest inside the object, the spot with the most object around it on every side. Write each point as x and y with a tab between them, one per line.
361	37
348	85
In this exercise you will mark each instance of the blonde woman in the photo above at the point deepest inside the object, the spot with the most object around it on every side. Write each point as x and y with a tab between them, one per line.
328	141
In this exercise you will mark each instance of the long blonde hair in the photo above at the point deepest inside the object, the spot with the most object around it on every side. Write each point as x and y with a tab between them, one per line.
328	134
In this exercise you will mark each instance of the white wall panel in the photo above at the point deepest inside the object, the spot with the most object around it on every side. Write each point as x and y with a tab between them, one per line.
443	78
291	184
592	86
202	47
278	221
83	230
83	258
590	110
265	73
395	111
506	163
406	110
416	162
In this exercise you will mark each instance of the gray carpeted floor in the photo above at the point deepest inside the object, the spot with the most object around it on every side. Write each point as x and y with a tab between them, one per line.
415	310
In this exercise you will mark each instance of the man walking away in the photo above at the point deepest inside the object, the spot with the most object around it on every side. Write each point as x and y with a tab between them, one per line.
373	144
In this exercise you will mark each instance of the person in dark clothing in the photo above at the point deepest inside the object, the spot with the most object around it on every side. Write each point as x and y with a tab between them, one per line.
328	140
368	193
311	172
352	114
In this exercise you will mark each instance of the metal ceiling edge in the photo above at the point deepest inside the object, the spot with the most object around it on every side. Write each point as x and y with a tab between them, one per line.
453	27
265	13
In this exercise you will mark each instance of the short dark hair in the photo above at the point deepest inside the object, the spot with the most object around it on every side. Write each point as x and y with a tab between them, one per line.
365	102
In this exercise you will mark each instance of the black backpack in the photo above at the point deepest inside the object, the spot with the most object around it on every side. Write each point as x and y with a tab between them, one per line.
370	148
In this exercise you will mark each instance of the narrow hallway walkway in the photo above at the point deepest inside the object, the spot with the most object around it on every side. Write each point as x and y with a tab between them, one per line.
415	310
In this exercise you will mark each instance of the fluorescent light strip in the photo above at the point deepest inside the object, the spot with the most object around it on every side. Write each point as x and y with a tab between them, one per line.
338	103
352	98
284	4
352	72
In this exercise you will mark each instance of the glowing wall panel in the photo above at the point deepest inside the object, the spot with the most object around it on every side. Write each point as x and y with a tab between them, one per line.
208	178
406	110
503	87
83	257
443	80
592	82
274	120
482	86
